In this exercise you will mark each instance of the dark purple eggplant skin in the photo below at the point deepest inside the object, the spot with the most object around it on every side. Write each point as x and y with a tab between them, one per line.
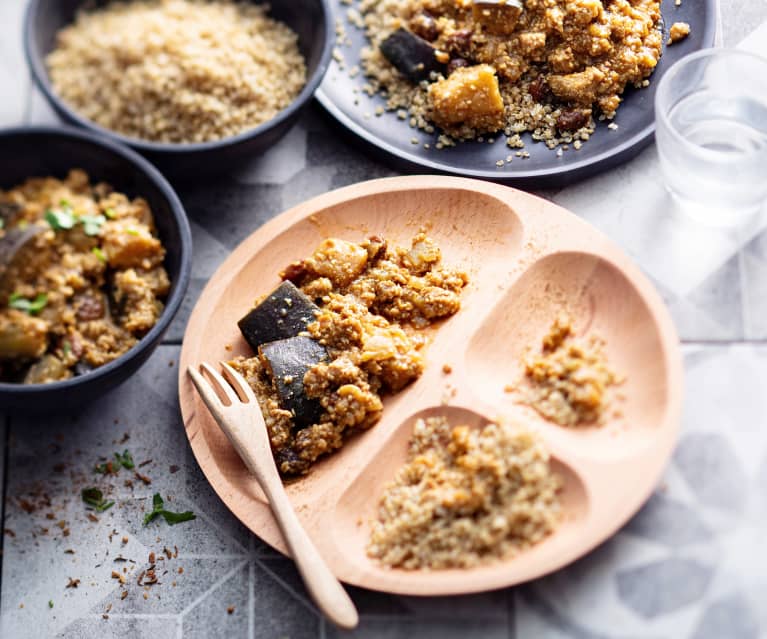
287	361
412	56
284	313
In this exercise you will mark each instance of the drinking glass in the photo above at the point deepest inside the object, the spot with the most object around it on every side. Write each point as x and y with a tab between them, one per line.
711	133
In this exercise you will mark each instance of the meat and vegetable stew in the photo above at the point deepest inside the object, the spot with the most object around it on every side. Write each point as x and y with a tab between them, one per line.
341	331
474	67
81	277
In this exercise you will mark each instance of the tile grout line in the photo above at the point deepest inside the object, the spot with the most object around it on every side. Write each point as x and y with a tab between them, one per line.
221	580
298	597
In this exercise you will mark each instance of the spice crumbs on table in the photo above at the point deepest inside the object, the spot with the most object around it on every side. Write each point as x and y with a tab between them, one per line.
447	369
230	610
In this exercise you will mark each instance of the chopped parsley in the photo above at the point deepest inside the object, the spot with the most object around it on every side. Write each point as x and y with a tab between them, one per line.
92	223
99	253
66	347
95	499
33	307
50	603
64	218
131	231
110	213
61	219
124	460
2	224
158	508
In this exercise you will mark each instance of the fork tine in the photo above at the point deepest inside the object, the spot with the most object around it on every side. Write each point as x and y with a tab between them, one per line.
212	401
219	384
237	381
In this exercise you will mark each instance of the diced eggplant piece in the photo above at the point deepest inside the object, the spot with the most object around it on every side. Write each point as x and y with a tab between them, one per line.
498	17
288	360
284	313
412	56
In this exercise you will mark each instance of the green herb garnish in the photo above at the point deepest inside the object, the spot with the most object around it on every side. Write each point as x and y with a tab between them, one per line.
33	307
158	508
110	213
92	223
61	219
125	460
95	499
66	347
99	253
2	224
131	231
50	603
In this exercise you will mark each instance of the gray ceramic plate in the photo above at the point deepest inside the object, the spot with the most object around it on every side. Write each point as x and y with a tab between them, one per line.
391	138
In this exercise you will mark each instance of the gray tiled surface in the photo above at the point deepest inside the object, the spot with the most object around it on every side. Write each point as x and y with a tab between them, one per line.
690	564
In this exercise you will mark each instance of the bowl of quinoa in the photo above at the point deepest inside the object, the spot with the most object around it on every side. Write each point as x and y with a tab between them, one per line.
195	85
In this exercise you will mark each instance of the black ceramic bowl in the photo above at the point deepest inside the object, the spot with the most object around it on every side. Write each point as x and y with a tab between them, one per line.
310	19
42	151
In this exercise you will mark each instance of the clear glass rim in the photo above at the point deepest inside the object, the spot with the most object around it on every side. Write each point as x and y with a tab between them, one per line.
665	84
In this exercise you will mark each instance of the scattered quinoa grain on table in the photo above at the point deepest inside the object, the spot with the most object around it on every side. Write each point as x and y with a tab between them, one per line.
177	71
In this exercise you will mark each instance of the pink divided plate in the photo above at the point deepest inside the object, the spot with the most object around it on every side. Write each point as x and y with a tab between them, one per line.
527	259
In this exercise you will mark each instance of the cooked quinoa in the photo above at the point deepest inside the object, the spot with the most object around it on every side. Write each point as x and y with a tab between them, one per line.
371	299
678	31
178	71
465	496
569	378
551	68
81	277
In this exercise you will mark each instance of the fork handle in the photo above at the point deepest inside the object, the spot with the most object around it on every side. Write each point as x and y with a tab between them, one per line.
324	587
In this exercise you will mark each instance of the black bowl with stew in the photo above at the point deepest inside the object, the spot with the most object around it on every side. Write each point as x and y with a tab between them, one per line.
41	152
309	19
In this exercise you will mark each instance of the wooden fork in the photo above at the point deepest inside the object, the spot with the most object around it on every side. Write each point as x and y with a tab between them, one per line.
236	410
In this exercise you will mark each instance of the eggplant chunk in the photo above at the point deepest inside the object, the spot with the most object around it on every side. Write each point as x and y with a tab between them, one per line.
284	313
412	56
288	360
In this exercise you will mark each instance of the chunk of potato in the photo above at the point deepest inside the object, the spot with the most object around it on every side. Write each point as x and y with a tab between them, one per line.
22	336
469	95
128	244
338	260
